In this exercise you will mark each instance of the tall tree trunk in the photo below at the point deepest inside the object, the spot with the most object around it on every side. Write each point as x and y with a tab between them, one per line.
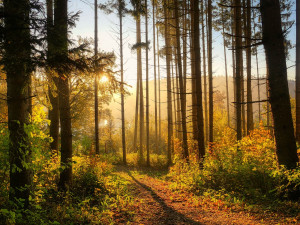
184	40
258	79
136	112
173	90
169	90
17	67
273	40
210	75
141	96
53	95
61	46
154	70
96	81
181	85
193	80
122	81
250	124
196	37
159	99
226	71
147	87
238	69
298	71
243	32
205	75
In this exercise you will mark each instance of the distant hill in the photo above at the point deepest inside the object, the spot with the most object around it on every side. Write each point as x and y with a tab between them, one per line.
219	84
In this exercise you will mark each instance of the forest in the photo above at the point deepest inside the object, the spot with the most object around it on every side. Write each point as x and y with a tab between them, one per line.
192	115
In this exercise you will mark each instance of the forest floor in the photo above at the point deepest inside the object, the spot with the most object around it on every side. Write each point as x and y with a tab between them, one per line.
156	202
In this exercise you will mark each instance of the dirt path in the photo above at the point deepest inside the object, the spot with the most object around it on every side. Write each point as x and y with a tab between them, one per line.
157	204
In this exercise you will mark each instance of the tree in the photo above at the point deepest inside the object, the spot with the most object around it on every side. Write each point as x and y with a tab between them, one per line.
298	71
53	81
137	11
250	124
61	52
120	7
238	69
121	10
96	80
181	85
147	84
273	41
169	94
154	70
17	65
197	69
210	75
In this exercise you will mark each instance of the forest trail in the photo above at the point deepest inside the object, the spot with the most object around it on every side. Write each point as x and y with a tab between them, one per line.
157	204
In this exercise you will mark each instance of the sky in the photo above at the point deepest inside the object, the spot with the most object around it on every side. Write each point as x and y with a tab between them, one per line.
108	41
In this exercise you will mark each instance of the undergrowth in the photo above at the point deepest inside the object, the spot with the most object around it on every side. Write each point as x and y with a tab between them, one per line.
243	173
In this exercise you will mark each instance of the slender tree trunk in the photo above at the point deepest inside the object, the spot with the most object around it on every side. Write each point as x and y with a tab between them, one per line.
159	99
61	45
210	75
238	69
122	82
17	67
154	70
141	97
273	40
226	71
298	71
193	79
181	86
136	113
258	87
204	71
250	124
233	52
173	90
243	32
96	81
147	87
169	96
184	40
196	37
53	97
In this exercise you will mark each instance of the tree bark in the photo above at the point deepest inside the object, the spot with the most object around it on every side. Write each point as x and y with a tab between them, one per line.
61	46
250	124
205	74
53	95
120	11
96	81
298	71
141	95
196	37
238	69
155	80
147	86
273	41
17	67
169	92
226	71
210	75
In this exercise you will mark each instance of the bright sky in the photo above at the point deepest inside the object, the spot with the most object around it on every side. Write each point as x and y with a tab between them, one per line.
108	41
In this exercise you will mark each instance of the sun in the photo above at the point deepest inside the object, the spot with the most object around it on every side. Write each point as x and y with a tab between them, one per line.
103	79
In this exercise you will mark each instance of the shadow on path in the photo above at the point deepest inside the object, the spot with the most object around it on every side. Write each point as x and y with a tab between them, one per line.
170	216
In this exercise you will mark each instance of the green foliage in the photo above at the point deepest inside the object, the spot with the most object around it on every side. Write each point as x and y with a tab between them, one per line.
240	172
